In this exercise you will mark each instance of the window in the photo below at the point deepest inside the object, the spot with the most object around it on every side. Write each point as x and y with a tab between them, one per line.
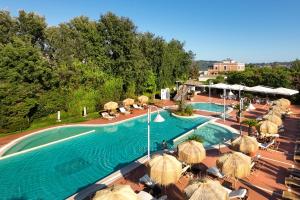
225	67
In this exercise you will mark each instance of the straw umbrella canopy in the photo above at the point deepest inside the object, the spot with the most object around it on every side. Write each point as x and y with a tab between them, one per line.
128	102
191	152
143	99
235	165
111	105
275	112
267	128
165	169
284	102
246	144
208	189
273	118
116	192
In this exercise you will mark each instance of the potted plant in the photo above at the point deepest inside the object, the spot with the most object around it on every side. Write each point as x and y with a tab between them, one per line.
239	112
183	109
196	138
251	124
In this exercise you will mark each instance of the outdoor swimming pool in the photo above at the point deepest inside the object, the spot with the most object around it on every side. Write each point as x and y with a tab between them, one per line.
211	107
62	169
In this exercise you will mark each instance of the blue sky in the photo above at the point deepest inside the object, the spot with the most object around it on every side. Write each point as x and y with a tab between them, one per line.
245	30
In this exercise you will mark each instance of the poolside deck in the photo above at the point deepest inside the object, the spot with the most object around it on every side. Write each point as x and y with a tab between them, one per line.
267	182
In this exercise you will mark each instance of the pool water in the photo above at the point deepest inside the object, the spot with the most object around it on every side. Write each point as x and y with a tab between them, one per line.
64	168
211	134
211	107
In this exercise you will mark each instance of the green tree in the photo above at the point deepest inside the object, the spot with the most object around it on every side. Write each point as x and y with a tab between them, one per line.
194	71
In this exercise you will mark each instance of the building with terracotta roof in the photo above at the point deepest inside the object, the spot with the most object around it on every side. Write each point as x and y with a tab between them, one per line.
224	66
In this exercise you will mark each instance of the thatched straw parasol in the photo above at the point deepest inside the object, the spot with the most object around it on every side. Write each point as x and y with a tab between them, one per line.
267	128
273	118
165	169
235	165
275	112
111	106
128	102
116	192
246	144
191	152
280	109
143	99
283	102
208	189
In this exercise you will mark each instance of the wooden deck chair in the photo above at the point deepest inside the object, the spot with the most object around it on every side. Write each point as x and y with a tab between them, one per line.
290	195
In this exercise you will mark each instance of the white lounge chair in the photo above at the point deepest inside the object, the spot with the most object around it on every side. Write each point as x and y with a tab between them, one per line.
215	171
239	194
256	158
123	111
281	126
107	116
185	169
137	106
142	195
275	135
147	180
266	145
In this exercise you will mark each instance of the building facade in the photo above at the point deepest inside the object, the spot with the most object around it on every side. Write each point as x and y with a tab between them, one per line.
224	66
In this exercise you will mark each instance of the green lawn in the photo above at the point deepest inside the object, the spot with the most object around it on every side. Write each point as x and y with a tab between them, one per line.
50	120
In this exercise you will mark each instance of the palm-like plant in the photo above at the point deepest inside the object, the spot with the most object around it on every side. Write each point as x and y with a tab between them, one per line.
196	138
251	123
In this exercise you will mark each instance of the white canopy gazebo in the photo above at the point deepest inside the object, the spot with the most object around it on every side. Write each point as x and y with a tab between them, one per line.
285	91
258	88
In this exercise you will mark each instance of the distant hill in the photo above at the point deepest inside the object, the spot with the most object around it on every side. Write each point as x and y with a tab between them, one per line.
273	64
204	64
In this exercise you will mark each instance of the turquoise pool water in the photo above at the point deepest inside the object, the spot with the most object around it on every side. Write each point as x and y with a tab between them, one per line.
62	169
208	107
211	134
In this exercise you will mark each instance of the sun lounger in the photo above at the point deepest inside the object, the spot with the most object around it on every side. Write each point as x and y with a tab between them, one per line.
281	127
215	171
292	182
147	180
236	194
265	146
293	171
256	158
137	106
124	111
185	169
107	116
142	195
296	157
290	195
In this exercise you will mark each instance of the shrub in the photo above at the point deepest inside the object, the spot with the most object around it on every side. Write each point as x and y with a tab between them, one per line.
82	97
195	137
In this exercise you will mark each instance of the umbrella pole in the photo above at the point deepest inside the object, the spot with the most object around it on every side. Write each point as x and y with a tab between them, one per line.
149	115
